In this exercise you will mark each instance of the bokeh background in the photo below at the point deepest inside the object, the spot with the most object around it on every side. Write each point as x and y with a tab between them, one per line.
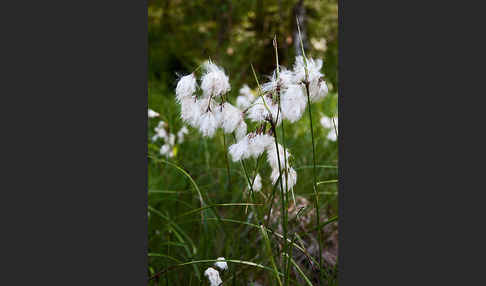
234	34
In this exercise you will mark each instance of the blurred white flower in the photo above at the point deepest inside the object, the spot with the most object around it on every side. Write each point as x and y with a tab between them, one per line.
221	264
185	87
332	135
166	150
180	135
214	80
152	114
323	90
327	123
257	183
171	139
246	97
160	131
291	175
243	102
241	129
246	91
213	276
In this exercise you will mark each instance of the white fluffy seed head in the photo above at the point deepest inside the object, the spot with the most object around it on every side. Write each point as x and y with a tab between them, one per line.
213	276
313	68
241	129
269	86
190	111
259	113
285	78
257	183
232	117
209	122
272	158
291	175
317	90
152	114
259	143
321	92
240	150
185	87
317	87
221	264
214	80
293	103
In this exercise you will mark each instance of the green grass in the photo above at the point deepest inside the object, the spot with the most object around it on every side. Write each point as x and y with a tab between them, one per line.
195	216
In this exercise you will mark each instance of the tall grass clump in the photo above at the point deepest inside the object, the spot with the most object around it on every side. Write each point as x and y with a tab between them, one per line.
231	177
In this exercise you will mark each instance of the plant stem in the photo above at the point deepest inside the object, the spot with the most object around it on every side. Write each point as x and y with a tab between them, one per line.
284	199
250	183
284	216
316	201
227	161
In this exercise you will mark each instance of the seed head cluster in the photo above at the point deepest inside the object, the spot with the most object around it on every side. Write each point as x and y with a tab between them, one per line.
209	110
283	96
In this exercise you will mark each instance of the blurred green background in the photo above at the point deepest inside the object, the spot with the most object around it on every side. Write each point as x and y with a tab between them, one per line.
234	34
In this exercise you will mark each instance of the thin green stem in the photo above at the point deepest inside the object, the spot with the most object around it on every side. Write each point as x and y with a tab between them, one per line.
284	199
250	183
287	270
334	124
316	201
284	216
227	161
269	250
249	263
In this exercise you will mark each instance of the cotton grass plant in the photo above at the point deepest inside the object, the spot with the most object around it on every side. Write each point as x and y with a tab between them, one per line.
249	142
